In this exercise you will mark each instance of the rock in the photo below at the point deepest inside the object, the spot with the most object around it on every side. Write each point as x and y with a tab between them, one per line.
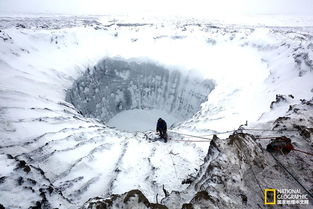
10	156
20	180
280	99
280	122
132	199
101	205
37	206
304	131
187	206
189	180
20	25
203	200
157	206
244	199
27	169
138	193
2	179
305	102
203	195
30	188
50	189
32	181
21	164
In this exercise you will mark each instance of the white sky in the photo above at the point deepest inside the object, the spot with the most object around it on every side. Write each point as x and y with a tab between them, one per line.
203	8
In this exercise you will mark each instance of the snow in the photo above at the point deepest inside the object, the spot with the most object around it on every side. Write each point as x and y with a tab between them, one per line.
140	120
222	76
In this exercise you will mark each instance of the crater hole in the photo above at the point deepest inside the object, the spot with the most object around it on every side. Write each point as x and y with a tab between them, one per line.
131	95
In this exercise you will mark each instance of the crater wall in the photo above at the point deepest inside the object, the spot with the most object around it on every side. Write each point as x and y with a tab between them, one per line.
113	86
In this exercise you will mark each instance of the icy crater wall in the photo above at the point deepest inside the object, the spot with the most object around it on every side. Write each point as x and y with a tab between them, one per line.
113	86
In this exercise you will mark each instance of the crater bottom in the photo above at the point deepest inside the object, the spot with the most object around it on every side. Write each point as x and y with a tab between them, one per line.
141	119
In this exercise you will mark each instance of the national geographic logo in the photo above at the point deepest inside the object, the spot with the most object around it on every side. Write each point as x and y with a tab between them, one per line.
285	197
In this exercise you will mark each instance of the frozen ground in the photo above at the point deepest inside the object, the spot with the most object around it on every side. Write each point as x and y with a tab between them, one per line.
63	78
140	120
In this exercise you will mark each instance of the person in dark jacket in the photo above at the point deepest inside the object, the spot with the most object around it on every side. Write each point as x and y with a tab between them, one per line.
162	129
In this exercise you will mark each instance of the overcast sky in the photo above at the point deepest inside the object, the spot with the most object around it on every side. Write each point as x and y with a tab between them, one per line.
160	7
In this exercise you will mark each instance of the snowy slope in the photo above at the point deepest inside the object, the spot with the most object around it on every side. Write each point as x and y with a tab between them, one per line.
43	58
237	169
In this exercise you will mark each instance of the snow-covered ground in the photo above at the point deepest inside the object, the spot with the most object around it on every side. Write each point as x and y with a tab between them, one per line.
140	120
210	78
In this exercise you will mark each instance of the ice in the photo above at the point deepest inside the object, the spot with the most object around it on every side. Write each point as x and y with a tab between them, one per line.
140	120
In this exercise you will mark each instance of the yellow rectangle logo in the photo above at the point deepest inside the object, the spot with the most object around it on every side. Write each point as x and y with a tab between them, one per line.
270	196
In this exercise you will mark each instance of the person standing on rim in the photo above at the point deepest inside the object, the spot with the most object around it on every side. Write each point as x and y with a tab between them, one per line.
162	129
